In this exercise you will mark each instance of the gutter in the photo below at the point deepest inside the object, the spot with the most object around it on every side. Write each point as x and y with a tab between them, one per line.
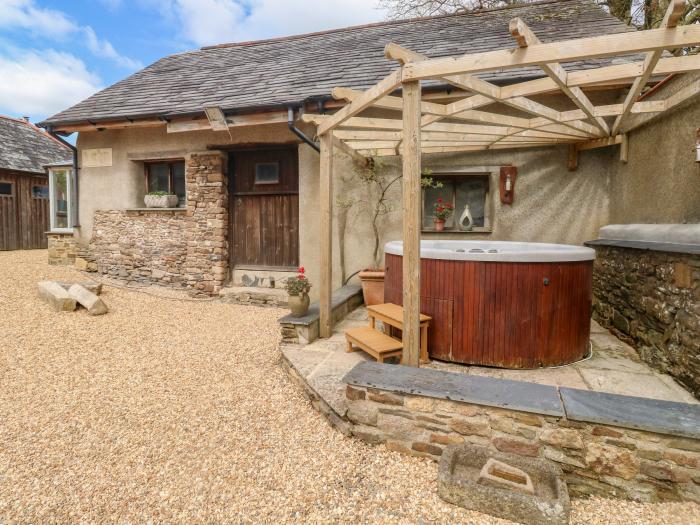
63	141
299	133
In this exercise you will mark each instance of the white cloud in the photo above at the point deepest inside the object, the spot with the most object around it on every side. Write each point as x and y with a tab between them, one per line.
102	48
25	15
207	22
43	83
43	22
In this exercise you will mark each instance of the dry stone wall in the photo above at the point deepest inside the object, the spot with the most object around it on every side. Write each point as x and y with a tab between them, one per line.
183	248
597	459
651	299
62	248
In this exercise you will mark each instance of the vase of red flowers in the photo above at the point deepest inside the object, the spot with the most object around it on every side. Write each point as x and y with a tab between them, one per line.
441	212
298	289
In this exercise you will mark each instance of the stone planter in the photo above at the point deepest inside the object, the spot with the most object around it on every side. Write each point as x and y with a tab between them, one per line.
439	224
372	286
299	304
161	201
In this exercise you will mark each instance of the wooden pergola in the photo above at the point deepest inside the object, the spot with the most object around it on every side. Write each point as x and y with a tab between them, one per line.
460	126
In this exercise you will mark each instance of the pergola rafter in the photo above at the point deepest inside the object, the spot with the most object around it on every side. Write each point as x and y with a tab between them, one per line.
490	117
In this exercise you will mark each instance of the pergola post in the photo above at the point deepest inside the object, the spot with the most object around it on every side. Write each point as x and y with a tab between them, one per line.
411	157
326	237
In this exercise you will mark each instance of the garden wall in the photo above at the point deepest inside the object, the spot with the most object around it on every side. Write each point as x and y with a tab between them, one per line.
651	299
185	247
608	445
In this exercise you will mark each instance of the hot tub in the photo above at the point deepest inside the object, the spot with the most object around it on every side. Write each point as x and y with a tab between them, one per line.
503	304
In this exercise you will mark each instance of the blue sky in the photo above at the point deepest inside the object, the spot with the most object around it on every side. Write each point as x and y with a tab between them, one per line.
55	53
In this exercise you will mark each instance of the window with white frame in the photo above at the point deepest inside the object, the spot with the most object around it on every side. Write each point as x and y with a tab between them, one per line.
60	193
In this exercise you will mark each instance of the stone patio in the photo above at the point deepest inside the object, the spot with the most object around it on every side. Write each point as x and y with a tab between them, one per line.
613	367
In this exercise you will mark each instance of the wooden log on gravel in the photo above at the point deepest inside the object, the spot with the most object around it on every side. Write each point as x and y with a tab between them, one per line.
93	304
54	294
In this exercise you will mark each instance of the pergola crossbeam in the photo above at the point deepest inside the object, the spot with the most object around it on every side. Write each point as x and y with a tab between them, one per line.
483	120
525	36
673	13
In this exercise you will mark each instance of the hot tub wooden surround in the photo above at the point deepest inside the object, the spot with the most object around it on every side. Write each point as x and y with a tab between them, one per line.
502	314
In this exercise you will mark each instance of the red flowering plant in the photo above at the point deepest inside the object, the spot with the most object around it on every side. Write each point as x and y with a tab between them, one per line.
442	210
298	284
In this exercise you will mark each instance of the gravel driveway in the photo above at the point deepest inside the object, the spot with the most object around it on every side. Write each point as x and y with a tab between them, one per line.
177	411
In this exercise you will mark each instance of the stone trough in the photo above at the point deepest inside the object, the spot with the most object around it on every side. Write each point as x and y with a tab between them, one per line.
525	490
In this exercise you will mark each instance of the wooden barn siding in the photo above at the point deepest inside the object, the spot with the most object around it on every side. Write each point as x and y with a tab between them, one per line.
24	219
501	314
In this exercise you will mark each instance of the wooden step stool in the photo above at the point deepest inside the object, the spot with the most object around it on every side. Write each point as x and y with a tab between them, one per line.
375	343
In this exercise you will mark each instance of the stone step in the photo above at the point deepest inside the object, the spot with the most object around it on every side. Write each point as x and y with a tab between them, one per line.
253	295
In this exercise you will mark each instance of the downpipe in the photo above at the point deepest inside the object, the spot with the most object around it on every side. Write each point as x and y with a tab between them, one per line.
299	133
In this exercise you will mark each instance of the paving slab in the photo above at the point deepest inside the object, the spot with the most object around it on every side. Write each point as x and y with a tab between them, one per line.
503	393
614	359
563	376
327	378
303	359
654	415
631	383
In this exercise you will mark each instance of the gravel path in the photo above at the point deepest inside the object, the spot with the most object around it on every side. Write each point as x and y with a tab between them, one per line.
177	411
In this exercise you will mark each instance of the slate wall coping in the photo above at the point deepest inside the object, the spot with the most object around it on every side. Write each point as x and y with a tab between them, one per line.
691	249
653	415
340	296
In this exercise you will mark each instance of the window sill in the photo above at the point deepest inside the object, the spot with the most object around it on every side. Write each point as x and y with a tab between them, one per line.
61	230
157	209
452	231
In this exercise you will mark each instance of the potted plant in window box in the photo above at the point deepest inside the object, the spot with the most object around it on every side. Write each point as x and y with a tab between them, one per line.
160	199
298	289
441	212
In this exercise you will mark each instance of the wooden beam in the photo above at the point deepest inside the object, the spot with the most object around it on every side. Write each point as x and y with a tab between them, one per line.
487	91
673	13
525	37
388	102
602	75
562	51
379	90
235	121
599	143
624	149
326	235
120	124
411	159
352	153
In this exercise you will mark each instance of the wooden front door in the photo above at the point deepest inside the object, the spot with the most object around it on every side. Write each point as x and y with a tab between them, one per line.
264	186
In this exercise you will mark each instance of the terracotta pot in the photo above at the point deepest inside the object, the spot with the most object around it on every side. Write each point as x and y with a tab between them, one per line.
439	224
160	201
372	286
299	304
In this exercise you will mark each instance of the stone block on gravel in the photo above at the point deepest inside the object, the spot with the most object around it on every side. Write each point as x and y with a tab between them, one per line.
458	475
54	294
93	304
92	286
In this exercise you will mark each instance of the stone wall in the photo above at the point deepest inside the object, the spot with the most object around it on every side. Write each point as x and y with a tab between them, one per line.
651	299
597	459
62	248
186	248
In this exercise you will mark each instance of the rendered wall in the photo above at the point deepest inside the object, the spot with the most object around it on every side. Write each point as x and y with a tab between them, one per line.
661	181
551	203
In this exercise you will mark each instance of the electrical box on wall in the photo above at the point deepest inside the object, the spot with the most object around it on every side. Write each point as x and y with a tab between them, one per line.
506	184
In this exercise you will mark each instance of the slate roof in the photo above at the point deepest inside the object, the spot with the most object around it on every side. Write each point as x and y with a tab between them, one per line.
24	147
290	70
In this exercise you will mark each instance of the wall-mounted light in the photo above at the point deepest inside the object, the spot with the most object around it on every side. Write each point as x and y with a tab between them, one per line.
507	184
